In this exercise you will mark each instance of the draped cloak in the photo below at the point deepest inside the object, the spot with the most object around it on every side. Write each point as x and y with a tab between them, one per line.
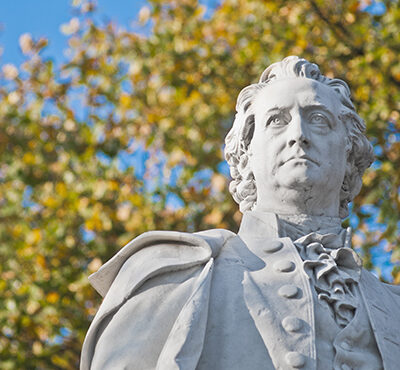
220	300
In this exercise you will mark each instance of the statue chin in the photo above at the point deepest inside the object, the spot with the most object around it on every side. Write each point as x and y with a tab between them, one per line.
300	173
299	193
306	179
300	182
296	184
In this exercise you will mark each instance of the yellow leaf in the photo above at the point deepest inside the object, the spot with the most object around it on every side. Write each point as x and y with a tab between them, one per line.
69	241
124	211
134	222
32	307
26	43
396	279
41	261
125	100
29	158
37	348
52	297
50	202
13	97
302	43
94	265
387	167
61	189
218	182
10	71
113	185
214	217
144	14
17	230
71	27
34	236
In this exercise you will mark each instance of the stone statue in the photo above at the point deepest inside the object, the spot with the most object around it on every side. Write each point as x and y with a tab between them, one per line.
287	291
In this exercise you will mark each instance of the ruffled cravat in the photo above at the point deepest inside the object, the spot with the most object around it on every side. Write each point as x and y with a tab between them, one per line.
335	272
332	266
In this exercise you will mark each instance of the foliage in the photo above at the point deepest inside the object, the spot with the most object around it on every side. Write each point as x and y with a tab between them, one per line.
70	196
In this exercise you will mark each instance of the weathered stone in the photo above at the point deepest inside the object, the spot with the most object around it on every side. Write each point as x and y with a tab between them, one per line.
286	291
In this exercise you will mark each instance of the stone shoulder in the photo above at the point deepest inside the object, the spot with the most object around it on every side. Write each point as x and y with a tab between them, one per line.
158	251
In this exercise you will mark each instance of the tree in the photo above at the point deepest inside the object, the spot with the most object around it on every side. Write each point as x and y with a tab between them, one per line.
127	137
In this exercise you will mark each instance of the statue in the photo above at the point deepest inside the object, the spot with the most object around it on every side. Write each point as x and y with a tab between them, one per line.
287	291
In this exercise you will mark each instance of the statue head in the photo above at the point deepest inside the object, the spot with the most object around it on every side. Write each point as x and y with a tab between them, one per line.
296	143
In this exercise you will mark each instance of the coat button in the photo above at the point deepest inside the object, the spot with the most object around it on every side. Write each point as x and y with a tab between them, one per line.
273	246
292	324
284	266
288	291
295	359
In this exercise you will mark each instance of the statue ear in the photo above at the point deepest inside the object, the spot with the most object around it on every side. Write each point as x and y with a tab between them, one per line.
347	188
248	131
348	147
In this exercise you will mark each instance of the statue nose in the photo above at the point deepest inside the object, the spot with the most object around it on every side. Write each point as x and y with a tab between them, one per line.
298	133
301	140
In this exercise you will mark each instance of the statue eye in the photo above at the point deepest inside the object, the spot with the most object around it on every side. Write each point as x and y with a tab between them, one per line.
319	119
276	120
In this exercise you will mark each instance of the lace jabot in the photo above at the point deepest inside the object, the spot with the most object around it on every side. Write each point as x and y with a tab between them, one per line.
329	262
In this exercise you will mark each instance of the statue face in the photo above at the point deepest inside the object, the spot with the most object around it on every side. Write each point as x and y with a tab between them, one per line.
298	153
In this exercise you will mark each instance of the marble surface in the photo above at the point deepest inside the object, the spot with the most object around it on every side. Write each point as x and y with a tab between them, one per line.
287	291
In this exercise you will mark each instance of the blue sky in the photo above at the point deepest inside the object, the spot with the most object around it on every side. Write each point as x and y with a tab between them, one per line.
44	18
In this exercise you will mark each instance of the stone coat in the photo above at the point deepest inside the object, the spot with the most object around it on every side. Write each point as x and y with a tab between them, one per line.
205	301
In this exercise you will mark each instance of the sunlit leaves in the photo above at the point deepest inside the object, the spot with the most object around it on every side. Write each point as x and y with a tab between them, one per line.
127	136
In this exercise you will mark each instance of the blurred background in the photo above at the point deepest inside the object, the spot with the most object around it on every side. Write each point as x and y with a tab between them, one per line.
112	120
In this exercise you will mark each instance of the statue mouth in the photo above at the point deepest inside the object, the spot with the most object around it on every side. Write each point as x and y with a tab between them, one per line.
302	158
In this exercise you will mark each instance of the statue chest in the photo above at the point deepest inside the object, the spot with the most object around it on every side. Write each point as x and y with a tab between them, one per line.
263	311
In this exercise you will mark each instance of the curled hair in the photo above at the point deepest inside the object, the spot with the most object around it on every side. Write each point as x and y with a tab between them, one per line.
359	156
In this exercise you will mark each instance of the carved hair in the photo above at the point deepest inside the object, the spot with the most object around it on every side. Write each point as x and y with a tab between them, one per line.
359	156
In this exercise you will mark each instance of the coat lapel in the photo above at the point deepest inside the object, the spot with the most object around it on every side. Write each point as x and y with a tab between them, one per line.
184	345
279	300
383	306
